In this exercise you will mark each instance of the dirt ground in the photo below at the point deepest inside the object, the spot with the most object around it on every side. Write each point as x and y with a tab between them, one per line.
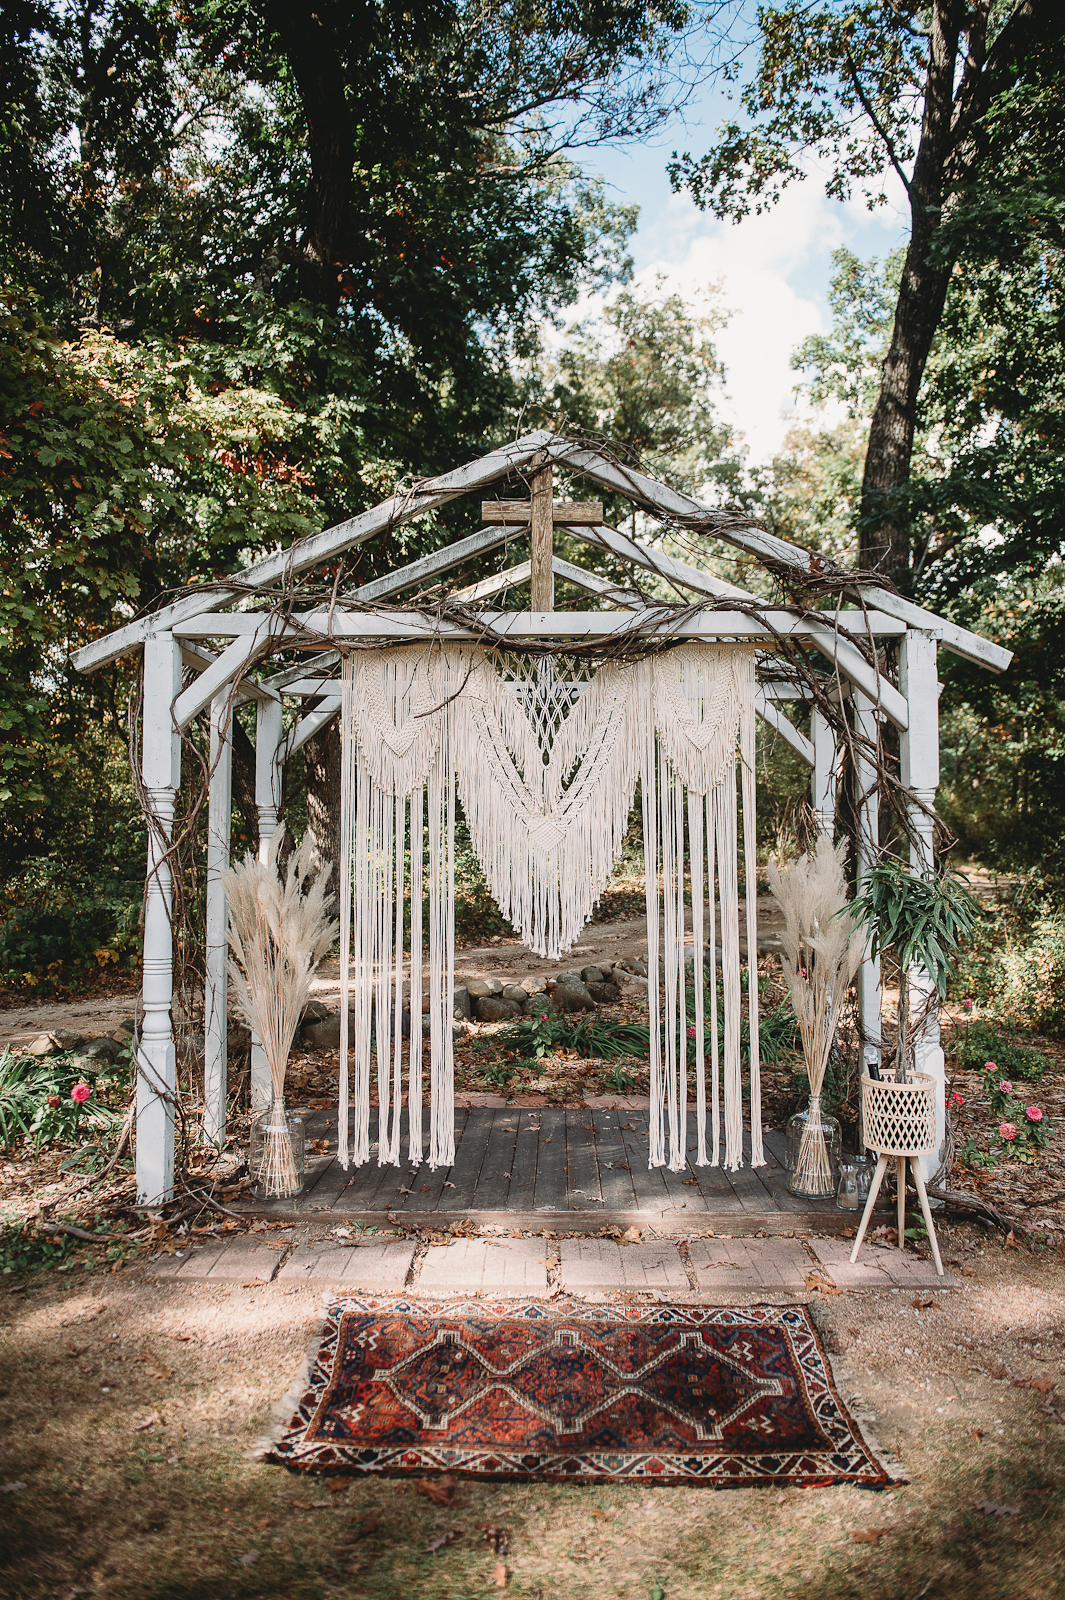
128	1408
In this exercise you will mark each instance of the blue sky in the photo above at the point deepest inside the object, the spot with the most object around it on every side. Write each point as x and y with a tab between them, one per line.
774	269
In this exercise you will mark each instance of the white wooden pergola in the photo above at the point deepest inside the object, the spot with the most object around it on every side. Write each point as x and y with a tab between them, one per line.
216	638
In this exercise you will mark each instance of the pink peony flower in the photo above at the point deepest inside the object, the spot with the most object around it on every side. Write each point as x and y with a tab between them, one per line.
1034	1114
80	1093
1005	1087
990	1066
1008	1131
966	1005
691	1032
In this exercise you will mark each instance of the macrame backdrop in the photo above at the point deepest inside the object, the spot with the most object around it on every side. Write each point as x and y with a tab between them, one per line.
545	759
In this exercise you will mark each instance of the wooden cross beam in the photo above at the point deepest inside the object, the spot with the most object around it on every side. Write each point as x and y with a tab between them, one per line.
543	513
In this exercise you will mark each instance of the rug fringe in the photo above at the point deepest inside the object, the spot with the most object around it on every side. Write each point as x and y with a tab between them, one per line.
283	1410
858	1408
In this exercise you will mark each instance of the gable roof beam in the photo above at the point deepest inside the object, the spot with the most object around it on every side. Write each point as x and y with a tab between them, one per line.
779	723
659	499
318	547
308	726
847	657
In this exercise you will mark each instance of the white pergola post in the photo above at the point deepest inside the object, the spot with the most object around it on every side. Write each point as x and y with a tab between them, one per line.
268	738
868	802
823	778
919	761
156	1053
215	1023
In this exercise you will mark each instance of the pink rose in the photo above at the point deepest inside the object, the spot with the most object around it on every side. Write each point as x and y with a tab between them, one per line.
1008	1131
80	1093
1034	1114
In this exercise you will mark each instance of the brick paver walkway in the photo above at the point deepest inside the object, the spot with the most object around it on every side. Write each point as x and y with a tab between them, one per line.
519	1266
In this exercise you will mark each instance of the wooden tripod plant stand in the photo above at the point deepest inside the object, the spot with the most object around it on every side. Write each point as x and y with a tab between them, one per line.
900	1125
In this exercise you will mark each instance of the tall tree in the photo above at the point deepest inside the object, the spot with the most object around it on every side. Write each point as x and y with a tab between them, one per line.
872	89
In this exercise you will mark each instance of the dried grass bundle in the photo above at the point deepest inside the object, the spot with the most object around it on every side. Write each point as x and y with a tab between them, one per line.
821	949
278	933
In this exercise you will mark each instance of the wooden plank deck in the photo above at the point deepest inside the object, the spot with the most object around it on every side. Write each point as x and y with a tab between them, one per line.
572	1171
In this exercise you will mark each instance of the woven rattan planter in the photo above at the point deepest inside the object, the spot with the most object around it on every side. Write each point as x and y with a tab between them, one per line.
900	1118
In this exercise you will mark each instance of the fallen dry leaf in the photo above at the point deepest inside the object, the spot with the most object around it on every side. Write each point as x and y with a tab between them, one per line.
249	1558
362	1530
500	1574
148	1422
997	1370
264	1523
441	1491
447	1537
1042	1385
254	1283
869	1535
990	1509
337	1485
927	1305
816	1284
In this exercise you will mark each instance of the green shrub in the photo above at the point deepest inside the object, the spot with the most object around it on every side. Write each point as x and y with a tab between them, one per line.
36	1102
1032	987
981	1043
50	945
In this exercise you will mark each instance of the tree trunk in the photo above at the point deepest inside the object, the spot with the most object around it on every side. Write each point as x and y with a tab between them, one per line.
885	531
308	37
952	141
321	754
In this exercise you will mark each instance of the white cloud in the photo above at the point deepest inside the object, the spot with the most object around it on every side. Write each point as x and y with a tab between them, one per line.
754	261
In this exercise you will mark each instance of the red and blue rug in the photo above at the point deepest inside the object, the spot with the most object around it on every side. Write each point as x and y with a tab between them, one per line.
669	1394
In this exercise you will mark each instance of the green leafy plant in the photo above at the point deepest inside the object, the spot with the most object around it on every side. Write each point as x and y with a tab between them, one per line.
975	1159
982	1043
46	1101
618	1081
1032	978
925	918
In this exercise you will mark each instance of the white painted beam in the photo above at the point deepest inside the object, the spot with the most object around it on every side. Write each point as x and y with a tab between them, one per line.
307	727
156	1054
659	499
849	659
787	730
919	770
823	777
215	1007
510	579
870	992
319	547
224	669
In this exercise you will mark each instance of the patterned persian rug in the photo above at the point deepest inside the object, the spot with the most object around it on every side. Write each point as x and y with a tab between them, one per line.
669	1394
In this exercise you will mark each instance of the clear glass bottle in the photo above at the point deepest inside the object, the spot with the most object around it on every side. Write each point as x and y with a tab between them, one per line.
276	1153
813	1150
855	1177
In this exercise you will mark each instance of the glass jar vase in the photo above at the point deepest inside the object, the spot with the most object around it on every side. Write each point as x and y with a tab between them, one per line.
276	1153
855	1178
813	1150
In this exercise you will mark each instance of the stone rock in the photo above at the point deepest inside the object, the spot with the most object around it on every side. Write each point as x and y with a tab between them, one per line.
122	1036
458	1028
461	1004
571	994
478	988
493	1008
539	1005
515	992
323	1035
592	975
67	1039
43	1045
604	992
86	1066
104	1049
313	1011
639	968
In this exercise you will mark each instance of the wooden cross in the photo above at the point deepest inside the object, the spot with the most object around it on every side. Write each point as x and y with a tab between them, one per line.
544	514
